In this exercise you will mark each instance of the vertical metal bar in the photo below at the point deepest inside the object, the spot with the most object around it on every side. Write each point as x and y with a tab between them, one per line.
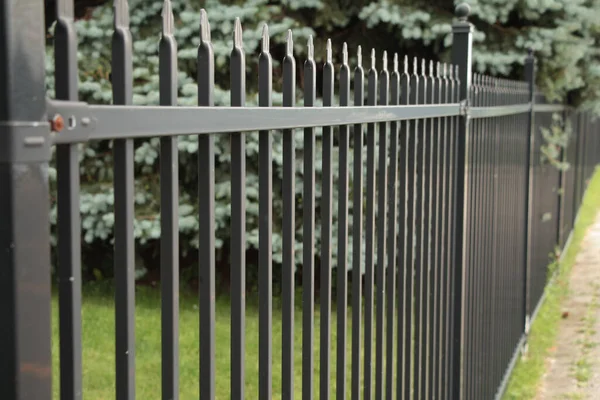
342	256
454	96
265	211
308	235
122	83
412	235
206	216
357	229
461	58
381	229
25	298
430	190
404	241
421	232
326	221
370	237
392	234
289	227
438	220
446	152
169	214
68	220
530	78
238	220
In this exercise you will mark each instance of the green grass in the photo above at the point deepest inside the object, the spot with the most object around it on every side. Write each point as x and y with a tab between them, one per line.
526	376
98	346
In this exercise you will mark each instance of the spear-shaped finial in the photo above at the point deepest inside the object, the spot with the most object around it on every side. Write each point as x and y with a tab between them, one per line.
204	26
121	13
311	49
395	62
345	54
359	56
385	60
168	22
238	43
265	39
289	45
373	58
329	51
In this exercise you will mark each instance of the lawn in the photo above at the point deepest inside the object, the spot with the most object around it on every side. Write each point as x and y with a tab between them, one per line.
529	370
98	346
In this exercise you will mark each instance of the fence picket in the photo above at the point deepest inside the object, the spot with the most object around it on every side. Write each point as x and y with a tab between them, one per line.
370	233
206	216
308	235
265	184
169	214
124	264
288	232
342	254
357	230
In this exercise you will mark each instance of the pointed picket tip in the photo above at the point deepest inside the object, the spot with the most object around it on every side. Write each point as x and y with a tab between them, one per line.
238	43
431	68
359	56
121	13
265	38
329	51
395	62
345	54
204	26
445	70
289	47
415	66
406	64
423	67
385	61
439	69
373	61
311	49
168	21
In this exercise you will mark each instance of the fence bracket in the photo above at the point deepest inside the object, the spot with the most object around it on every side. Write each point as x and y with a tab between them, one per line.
77	121
464	108
24	142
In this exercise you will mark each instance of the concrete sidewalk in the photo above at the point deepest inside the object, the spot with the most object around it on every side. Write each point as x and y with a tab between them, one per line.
573	368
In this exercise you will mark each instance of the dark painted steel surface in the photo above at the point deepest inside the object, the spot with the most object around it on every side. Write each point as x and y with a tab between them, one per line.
206	216
124	252
169	215
68	216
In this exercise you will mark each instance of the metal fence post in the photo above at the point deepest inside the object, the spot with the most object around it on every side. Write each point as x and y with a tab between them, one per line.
25	336
462	47
530	78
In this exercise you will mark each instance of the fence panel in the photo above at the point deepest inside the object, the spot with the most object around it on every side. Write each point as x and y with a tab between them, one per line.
453	214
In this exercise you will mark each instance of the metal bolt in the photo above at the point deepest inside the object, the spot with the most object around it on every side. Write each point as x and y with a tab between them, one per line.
57	123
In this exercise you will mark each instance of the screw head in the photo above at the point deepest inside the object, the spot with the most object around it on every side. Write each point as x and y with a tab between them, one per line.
57	123
462	11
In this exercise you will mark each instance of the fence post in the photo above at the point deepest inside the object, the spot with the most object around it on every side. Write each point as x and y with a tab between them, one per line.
462	47
25	335
530	78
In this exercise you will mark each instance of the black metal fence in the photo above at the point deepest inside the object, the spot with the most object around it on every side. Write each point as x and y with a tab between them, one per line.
461	206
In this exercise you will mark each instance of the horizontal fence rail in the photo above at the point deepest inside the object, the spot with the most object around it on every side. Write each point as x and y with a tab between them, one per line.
430	196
